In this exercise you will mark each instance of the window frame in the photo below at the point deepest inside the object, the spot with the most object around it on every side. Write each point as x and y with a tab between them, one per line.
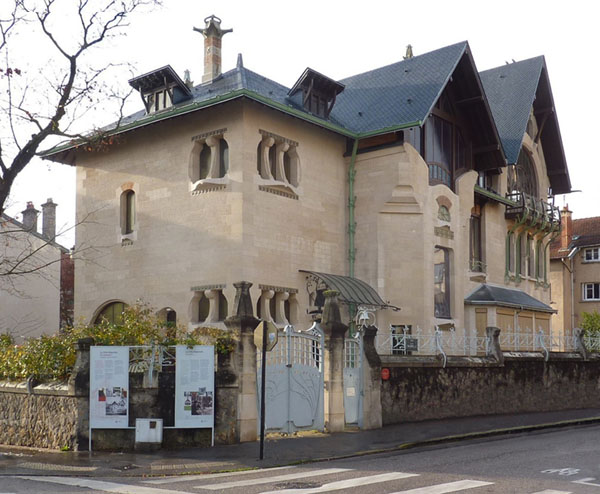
594	254
444	304
595	289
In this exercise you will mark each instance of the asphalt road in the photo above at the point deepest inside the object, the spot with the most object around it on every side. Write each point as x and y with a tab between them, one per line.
551	462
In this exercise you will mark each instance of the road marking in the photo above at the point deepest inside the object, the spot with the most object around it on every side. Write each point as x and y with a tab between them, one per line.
188	478
586	481
459	485
347	484
269	480
551	491
99	485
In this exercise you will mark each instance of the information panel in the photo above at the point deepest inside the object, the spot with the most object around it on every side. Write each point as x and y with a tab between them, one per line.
109	387
195	386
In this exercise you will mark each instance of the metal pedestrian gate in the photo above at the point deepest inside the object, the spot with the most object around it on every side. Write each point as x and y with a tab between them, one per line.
294	381
352	380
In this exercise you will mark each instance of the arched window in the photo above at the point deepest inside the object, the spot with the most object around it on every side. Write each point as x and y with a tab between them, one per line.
277	159
127	212
111	313
521	176
203	309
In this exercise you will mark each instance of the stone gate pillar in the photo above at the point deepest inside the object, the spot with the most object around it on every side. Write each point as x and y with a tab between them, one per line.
243	392
334	362
371	381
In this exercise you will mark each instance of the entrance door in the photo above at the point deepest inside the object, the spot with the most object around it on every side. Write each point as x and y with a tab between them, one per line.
294	381
352	380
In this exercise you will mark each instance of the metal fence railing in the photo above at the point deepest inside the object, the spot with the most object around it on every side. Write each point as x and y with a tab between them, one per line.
405	340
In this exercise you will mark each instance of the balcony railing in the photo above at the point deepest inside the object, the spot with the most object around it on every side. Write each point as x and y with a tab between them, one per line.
536	212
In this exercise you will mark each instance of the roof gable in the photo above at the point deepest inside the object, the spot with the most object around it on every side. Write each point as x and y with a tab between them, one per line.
512	91
399	94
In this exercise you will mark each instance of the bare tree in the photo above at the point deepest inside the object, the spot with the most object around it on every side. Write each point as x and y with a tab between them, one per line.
38	105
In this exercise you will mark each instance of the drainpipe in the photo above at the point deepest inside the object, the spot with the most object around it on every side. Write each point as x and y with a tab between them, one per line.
352	228
351	204
571	258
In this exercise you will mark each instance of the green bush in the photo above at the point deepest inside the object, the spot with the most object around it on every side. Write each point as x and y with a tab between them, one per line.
53	357
590	323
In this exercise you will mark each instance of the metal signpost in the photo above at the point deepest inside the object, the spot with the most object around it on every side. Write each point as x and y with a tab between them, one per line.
265	338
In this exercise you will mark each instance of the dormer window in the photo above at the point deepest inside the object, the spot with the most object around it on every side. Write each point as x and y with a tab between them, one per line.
318	92
160	89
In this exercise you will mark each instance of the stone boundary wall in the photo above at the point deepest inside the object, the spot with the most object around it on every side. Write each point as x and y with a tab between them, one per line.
44	416
420	388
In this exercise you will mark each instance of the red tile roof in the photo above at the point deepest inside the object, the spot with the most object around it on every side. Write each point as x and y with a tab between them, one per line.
586	232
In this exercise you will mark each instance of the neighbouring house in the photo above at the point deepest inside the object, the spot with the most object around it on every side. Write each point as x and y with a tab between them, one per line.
423	185
575	270
36	275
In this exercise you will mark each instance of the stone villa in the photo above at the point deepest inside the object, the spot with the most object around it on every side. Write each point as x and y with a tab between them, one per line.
424	185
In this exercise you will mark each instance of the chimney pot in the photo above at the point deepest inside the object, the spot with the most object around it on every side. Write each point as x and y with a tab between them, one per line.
566	232
213	34
30	215
49	219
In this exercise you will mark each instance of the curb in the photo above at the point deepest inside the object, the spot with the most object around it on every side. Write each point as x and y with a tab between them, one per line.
154	470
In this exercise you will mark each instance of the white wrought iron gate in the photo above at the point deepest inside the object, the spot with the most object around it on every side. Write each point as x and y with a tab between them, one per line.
294	381
353	380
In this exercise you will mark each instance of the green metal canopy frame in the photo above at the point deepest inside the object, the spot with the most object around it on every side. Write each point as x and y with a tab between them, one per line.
352	290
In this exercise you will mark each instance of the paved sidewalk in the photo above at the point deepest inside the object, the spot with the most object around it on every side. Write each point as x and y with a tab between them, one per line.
283	450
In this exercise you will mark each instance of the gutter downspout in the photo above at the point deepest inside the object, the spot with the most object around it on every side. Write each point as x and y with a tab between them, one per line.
351	205
571	258
352	229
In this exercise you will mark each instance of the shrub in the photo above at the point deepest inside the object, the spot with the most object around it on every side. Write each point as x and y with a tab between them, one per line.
53	357
590	323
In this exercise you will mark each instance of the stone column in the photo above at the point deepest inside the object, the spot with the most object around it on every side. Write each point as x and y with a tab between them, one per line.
334	362
243	362
371	382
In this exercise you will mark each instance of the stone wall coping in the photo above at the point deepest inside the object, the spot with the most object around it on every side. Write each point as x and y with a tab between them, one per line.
56	388
433	361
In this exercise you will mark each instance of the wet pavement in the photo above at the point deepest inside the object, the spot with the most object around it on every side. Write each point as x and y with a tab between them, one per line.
284	450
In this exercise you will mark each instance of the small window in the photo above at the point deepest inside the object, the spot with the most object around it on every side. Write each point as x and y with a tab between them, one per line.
540	256
268	151
591	291
127	212
203	309
111	313
204	162
441	281
223	158
592	255
510	252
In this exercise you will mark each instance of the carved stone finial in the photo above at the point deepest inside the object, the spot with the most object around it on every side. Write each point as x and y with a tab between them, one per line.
242	305
494	349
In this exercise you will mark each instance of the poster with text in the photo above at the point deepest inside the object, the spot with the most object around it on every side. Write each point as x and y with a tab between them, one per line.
109	387
195	386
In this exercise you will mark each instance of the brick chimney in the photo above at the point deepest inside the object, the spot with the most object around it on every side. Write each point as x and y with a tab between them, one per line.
49	219
213	34
30	215
566	232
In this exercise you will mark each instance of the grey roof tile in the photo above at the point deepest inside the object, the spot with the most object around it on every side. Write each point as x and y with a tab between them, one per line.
505	297
511	90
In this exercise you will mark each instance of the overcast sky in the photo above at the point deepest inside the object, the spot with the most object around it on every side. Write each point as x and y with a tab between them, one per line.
341	38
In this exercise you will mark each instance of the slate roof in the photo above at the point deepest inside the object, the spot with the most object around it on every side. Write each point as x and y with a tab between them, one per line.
399	94
520	81
586	233
506	297
396	96
512	90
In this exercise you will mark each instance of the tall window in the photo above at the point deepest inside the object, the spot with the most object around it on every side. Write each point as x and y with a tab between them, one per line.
475	244
441	282
591	291
127	212
521	176
510	252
